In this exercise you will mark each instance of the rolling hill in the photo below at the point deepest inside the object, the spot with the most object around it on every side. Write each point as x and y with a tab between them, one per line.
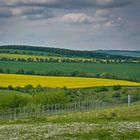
121	52
62	52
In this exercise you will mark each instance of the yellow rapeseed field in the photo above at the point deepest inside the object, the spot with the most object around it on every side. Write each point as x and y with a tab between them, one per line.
54	81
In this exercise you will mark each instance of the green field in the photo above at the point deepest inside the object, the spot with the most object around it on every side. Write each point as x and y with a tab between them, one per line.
123	70
9	92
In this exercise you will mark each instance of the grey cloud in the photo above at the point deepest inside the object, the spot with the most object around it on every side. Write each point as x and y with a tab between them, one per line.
70	3
26	12
93	20
36	9
37	13
4	13
102	13
113	3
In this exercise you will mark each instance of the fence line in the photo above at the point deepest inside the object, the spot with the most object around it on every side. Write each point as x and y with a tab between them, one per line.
51	109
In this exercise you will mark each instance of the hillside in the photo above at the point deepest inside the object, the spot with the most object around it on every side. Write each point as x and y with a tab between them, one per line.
121	52
62	52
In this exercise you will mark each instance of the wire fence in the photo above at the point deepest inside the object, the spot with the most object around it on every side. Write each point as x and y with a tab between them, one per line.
51	109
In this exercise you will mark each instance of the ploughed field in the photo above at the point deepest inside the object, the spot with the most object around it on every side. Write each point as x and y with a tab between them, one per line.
55	81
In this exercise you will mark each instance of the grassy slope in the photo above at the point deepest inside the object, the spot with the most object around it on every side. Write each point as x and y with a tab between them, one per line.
56	81
10	97
120	70
107	124
118	113
5	94
10	92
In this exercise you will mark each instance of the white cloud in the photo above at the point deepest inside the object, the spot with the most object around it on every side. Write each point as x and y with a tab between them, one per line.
26	12
100	16
118	22
10	2
77	18
17	11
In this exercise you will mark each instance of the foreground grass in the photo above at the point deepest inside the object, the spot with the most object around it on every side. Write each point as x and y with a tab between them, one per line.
54	81
115	123
72	131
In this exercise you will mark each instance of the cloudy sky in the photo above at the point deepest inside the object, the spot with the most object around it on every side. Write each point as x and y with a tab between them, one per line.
73	24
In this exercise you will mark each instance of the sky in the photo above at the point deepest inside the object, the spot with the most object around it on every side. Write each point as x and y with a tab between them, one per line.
71	24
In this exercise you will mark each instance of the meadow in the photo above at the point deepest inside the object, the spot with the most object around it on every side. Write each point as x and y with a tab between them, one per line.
16	80
120	70
115	123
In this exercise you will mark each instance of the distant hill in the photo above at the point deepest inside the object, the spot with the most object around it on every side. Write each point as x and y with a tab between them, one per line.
67	53
121	52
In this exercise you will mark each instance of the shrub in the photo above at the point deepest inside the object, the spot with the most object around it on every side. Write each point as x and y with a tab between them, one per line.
107	75
1	71
50	98
10	87
7	71
117	87
101	89
116	95
13	100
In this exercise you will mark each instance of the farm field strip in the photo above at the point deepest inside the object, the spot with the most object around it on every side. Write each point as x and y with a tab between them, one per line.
124	70
54	81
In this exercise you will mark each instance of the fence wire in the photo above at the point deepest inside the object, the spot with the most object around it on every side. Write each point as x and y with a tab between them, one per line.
51	109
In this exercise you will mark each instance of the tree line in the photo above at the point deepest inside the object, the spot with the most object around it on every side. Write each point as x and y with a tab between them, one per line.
67	60
59	73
